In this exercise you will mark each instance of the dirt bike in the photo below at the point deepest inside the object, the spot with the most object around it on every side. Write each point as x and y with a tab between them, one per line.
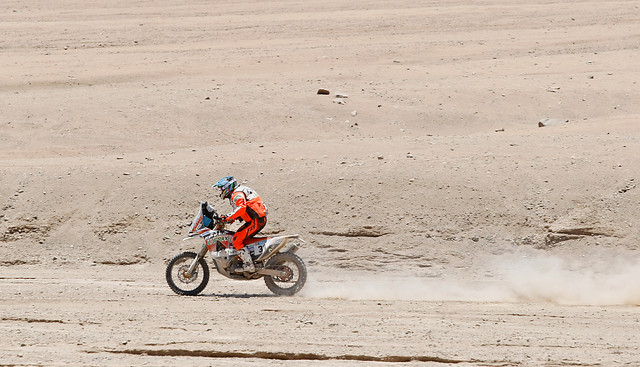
275	260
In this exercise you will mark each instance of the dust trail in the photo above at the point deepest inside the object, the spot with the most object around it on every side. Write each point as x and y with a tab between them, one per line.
515	279
600	281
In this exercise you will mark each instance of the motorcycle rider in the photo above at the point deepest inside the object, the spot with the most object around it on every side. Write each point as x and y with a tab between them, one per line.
248	206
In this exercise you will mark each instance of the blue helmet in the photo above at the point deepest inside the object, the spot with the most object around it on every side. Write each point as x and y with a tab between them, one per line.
226	186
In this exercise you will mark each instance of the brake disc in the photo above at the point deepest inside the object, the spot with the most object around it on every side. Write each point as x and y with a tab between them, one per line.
288	274
182	274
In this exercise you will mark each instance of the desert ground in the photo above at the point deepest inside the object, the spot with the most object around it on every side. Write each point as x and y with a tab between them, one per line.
467	190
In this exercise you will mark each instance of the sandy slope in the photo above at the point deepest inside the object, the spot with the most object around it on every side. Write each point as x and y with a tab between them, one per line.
432	177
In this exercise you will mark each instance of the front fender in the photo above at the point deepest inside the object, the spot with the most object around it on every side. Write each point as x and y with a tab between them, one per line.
196	235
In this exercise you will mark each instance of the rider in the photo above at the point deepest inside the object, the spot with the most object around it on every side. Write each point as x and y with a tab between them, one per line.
247	206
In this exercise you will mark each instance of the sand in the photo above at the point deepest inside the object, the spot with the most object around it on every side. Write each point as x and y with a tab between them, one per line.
443	225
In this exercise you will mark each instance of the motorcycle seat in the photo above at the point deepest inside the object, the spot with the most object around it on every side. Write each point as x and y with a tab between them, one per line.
254	240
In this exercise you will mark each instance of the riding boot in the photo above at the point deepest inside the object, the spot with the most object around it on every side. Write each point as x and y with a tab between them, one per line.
247	262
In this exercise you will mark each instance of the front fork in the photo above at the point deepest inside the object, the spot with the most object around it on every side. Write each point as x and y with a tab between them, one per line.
194	264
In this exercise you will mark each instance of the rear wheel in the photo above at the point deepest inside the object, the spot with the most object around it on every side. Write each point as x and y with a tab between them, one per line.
294	277
178	279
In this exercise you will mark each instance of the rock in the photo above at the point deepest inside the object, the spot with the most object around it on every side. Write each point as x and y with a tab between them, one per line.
354	113
629	186
323	91
342	95
339	101
548	122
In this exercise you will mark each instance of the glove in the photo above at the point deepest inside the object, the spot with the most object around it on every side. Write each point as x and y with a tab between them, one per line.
225	218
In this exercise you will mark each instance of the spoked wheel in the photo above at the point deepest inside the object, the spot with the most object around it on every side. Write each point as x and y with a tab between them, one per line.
178	279
294	277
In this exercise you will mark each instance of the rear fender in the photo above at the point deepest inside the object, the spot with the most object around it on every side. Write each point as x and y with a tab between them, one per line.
277	244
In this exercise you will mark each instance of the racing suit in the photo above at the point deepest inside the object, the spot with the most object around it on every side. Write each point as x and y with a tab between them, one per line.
249	207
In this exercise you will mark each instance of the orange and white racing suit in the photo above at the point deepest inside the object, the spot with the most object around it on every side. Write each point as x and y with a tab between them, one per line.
249	207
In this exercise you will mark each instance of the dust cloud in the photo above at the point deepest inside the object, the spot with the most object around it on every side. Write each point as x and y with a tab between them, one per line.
513	279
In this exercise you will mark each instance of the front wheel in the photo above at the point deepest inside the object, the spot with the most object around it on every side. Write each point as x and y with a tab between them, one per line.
178	279
293	281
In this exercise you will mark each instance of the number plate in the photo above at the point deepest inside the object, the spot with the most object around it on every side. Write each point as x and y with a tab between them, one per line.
257	248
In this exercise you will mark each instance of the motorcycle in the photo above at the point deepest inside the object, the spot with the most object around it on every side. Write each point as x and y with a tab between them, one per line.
274	258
